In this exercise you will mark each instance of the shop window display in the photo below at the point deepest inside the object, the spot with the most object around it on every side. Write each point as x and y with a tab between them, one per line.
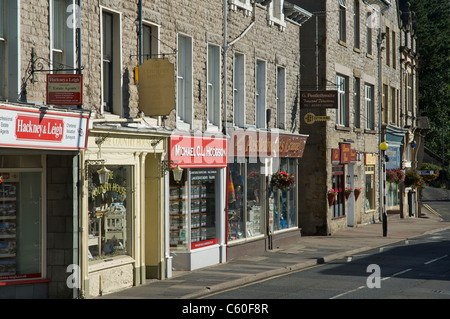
338	183
236	199
282	202
369	203
245	202
254	199
193	214
392	192
20	225
110	213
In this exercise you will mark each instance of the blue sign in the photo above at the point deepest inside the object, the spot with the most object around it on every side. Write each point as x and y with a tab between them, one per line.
393	152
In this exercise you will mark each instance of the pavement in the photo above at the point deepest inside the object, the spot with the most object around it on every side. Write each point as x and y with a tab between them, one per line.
310	251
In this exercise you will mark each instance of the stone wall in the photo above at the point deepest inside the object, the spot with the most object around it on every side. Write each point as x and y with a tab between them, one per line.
59	224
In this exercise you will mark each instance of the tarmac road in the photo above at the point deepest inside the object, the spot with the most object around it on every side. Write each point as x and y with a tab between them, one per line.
437	201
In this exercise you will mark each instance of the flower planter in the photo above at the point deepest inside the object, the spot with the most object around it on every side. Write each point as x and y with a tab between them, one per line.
347	194
331	199
357	194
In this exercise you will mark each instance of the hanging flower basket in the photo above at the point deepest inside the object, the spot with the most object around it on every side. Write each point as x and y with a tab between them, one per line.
283	181
412	178
357	191
395	176
332	196
348	192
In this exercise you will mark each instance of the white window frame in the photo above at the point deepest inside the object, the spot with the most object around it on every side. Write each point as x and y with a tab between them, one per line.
213	97
343	103
260	93
117	79
10	70
184	82
245	5
281	97
66	49
369	106
239	90
276	15
153	40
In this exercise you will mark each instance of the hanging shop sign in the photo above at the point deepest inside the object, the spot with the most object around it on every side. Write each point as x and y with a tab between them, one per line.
198	151
245	143
393	153
319	99
156	87
310	118
48	129
370	159
344	154
64	89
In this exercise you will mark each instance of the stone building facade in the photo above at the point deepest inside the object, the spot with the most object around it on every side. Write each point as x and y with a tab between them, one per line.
340	52
104	221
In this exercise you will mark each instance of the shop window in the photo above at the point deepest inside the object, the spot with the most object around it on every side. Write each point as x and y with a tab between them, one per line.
193	213
21	251
110	213
369	203
392	194
283	207
236	200
254	199
245	213
338	183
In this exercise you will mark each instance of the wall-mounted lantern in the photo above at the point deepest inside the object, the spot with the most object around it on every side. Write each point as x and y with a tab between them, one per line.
103	175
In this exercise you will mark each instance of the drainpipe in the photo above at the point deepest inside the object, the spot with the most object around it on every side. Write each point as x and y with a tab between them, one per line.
224	51
140	34
78	19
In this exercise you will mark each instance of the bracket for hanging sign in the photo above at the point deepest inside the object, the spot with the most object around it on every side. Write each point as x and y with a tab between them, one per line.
36	64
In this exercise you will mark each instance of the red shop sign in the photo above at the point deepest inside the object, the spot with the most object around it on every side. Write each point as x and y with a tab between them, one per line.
198	151
41	129
64	89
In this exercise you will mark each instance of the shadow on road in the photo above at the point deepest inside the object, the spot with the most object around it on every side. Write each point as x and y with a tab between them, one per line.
394	259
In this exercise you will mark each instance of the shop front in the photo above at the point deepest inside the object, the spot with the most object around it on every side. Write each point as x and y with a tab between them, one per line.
196	201
39	164
261	212
122	210
345	173
395	138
